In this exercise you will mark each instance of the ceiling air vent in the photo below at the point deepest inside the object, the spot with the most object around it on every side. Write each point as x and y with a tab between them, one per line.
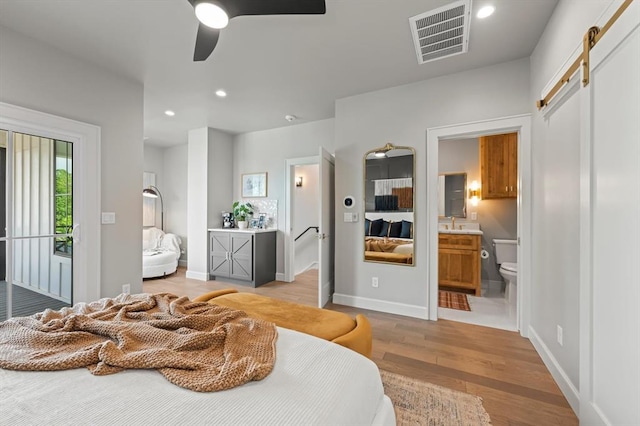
441	32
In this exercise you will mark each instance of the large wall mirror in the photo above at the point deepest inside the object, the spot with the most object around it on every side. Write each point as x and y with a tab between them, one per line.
389	184
452	200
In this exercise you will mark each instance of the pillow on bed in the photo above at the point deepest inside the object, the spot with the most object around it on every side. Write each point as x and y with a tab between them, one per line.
407	229
395	229
384	230
367	227
376	227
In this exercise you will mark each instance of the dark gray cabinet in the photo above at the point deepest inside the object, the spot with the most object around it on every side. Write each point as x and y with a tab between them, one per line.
243	256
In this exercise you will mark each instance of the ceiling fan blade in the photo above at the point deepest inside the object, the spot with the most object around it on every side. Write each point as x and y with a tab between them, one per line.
206	41
273	7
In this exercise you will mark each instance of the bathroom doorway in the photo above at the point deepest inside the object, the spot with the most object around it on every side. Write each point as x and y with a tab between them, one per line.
471	273
455	149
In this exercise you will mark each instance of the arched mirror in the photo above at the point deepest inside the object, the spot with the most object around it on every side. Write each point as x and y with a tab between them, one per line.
389	200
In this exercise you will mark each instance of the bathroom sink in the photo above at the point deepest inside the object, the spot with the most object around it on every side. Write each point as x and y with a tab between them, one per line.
460	231
469	228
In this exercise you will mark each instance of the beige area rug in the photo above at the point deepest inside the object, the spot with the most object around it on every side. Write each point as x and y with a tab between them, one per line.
422	403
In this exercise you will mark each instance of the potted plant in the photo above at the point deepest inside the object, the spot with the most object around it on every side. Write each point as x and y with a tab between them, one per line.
242	211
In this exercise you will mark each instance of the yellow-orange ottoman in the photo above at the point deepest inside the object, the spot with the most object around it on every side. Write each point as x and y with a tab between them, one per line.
334	326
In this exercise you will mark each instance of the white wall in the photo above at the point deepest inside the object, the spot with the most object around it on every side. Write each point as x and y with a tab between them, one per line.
266	151
401	115
175	192
209	173
220	172
197	204
37	76
306	213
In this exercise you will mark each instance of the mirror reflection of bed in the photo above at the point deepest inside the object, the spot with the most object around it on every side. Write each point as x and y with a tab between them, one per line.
394	240
389	205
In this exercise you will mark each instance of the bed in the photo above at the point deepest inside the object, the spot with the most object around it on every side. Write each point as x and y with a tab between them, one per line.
384	249
313	381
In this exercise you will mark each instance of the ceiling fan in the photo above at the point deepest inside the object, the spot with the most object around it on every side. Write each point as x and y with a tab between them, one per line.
215	14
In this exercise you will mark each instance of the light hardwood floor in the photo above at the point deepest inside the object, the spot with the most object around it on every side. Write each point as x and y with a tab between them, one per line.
499	366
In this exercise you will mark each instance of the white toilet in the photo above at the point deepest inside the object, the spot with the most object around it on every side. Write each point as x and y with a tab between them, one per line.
507	257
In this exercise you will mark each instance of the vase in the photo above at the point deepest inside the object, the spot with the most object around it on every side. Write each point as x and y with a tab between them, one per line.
242	224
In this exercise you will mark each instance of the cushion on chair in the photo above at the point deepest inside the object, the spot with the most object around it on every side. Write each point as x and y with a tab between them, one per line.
160	253
151	238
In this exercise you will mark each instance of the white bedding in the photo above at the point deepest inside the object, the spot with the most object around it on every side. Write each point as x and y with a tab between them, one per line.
313	382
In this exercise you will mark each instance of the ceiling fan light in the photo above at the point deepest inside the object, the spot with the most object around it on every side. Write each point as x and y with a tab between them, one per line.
211	15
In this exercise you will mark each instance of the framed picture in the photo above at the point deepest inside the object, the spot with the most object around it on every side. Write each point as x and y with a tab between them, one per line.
254	185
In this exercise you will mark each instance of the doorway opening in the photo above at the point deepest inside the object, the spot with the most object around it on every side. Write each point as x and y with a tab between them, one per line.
470	263
309	222
468	133
50	239
300	245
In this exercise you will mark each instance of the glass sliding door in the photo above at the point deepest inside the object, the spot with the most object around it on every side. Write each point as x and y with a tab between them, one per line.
39	260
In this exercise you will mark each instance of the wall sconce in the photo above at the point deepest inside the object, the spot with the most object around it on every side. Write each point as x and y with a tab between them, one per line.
299	181
474	193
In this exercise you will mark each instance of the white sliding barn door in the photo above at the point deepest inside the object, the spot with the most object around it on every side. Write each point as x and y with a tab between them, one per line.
610	229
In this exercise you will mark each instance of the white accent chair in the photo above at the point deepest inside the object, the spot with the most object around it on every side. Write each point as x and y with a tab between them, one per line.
160	253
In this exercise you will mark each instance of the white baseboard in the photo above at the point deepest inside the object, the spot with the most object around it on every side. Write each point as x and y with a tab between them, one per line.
202	276
280	277
568	389
413	311
312	265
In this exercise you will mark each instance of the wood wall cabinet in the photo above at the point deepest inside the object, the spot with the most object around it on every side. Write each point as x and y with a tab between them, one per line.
244	256
459	261
499	166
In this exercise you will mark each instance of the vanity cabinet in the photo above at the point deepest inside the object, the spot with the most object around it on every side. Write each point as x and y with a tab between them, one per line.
242	255
499	166
459	261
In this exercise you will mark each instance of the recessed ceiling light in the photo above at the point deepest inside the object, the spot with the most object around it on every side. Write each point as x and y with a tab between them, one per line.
485	11
221	93
170	113
290	117
211	15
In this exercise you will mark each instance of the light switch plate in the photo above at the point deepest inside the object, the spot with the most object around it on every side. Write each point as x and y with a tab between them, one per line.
350	217
108	218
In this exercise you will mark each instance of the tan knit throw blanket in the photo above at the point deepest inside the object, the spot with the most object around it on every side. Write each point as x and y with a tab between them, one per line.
197	346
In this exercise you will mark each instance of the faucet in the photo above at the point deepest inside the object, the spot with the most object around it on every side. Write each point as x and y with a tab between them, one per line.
453	222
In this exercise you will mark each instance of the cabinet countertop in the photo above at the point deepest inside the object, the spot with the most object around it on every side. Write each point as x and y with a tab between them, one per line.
461	231
248	230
